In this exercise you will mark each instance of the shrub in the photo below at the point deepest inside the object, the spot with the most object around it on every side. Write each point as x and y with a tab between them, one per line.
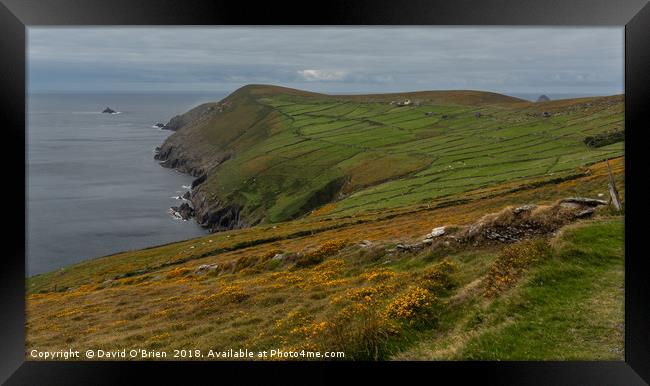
231	294
379	275
512	261
317	256
360	331
415	306
270	254
438	277
369	295
178	272
245	262
372	253
308	260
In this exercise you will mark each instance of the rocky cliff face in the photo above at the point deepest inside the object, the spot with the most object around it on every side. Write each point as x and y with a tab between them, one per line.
216	217
187	152
221	217
174	158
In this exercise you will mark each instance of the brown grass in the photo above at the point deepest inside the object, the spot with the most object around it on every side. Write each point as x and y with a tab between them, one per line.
246	302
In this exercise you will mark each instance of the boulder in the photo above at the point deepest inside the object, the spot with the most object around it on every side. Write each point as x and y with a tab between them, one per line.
278	256
504	236
524	208
204	268
365	244
585	213
436	232
409	247
159	125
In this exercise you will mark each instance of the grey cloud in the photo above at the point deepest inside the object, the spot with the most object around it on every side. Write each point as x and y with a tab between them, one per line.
510	60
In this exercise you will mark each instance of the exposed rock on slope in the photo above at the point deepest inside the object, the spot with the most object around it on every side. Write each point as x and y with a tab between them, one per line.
514	224
184	211
510	225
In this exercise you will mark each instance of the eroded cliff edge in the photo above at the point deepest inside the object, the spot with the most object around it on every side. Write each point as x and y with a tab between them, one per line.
208	136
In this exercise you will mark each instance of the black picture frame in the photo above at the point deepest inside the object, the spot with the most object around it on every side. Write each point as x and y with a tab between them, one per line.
17	15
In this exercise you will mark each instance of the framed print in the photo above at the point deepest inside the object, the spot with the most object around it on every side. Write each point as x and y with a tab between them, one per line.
379	188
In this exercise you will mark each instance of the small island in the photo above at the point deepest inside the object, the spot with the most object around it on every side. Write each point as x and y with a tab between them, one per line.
108	110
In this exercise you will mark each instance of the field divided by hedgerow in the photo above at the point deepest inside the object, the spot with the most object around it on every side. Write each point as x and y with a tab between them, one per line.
427	151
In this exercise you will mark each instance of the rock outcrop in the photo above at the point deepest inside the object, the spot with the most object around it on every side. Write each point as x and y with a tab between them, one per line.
202	178
509	225
108	110
205	268
220	218
175	123
515	224
184	211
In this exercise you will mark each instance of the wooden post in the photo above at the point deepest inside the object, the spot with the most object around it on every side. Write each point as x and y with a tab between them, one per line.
613	193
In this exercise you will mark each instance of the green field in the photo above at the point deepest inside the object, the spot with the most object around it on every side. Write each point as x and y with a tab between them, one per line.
366	153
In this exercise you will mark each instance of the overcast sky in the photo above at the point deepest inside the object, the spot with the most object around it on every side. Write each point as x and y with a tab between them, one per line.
333	59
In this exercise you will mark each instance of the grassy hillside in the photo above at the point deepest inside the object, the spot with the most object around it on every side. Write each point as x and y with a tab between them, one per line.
331	293
342	190
273	154
370	304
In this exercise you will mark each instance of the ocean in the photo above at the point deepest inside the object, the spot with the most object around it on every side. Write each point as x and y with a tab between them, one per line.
533	97
93	186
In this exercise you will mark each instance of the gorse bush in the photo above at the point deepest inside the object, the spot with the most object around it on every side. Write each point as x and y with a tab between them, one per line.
369	295
231	294
512	261
245	262
438	277
178	272
379	275
270	254
317	256
415	306
361	331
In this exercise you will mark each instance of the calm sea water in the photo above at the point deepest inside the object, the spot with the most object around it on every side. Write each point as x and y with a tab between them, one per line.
93	187
533	97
